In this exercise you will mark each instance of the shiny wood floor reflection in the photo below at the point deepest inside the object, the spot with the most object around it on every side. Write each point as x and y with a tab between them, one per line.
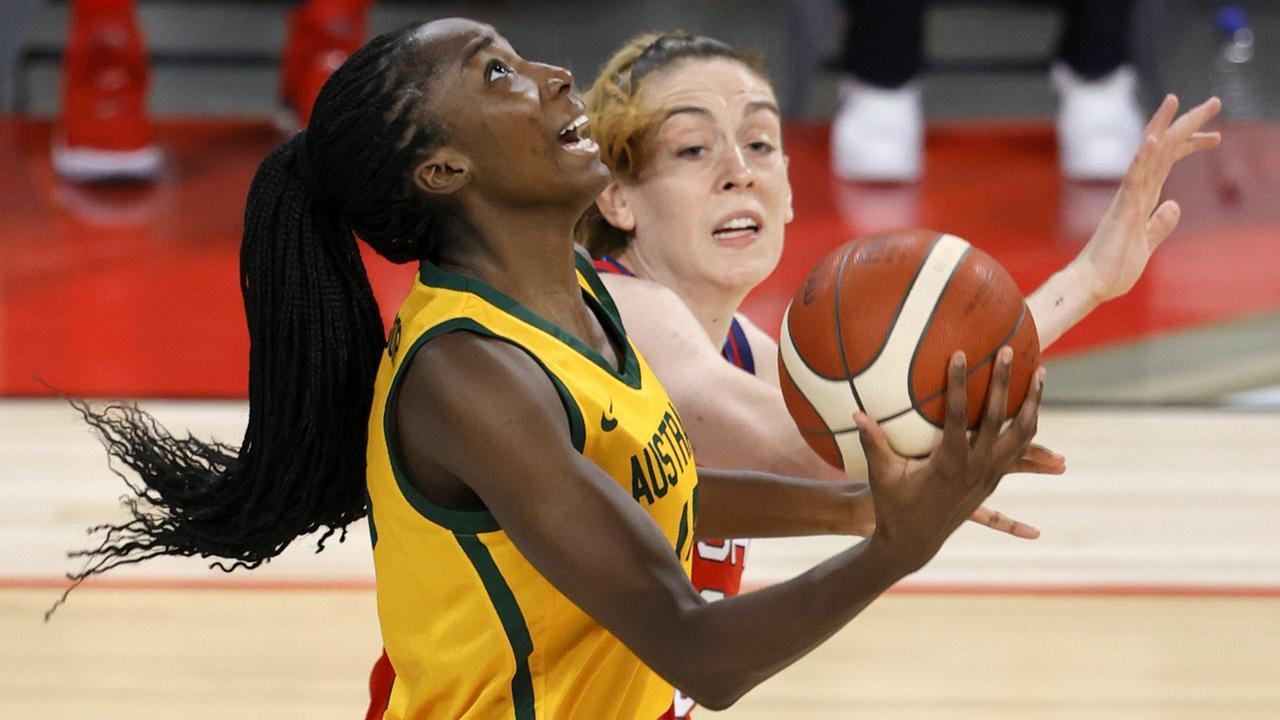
1153	594
195	654
133	291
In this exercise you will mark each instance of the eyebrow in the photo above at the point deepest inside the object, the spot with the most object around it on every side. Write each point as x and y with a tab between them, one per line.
693	109
474	47
757	105
751	107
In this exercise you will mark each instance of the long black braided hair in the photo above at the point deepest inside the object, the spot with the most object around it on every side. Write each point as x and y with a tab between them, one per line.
315	333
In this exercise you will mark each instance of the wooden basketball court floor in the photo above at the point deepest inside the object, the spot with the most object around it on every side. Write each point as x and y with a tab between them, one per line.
1153	593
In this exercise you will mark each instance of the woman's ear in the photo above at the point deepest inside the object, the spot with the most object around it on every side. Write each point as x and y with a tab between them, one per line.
443	173
612	203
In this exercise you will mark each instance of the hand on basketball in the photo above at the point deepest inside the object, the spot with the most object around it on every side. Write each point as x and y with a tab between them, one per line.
1039	460
1133	226
917	508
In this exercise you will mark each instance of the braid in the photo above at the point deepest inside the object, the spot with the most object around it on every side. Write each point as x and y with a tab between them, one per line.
377	124
315	335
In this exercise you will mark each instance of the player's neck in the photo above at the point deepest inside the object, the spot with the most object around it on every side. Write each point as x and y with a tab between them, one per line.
712	304
531	261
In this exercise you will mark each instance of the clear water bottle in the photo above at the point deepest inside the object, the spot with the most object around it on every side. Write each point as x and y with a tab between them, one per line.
1236	80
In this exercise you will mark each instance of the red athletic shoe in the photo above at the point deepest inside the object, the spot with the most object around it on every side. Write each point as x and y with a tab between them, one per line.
104	132
321	34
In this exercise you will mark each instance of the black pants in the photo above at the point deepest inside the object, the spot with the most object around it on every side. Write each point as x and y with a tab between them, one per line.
884	44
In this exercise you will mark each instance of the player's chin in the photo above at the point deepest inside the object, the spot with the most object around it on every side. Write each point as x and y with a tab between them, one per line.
742	269
761	254
587	172
584	179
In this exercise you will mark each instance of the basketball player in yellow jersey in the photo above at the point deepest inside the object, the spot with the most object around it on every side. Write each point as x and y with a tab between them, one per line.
478	584
527	486
530	562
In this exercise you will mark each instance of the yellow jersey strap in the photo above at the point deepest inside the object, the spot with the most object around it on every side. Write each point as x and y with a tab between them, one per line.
594	292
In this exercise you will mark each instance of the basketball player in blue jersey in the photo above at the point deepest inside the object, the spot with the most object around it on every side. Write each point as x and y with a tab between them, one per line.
694	219
695	216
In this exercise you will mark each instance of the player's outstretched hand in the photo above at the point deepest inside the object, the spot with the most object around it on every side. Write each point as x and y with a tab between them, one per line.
1133	226
918	507
1039	460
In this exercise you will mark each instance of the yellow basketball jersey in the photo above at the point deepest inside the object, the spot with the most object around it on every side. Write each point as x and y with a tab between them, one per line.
472	629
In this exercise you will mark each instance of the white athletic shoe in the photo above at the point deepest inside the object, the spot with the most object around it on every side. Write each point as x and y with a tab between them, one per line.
84	164
877	134
1099	123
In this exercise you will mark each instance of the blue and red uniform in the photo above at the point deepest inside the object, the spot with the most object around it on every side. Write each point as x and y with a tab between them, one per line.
736	349
717	564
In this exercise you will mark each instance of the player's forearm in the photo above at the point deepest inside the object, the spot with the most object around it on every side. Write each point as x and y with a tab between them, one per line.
749	428
1061	302
729	647
795	457
740	503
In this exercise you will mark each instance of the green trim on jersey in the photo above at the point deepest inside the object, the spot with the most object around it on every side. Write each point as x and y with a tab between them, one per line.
466	521
597	286
513	623
602	305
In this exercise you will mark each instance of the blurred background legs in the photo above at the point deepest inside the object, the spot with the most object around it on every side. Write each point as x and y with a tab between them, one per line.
1098	121
320	36
878	130
103	131
16	17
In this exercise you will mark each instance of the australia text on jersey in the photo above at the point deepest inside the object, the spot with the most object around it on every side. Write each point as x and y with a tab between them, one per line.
657	467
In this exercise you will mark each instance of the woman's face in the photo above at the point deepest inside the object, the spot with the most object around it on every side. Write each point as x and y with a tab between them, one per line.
512	124
712	200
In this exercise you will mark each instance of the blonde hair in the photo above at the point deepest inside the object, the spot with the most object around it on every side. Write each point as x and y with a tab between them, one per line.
621	124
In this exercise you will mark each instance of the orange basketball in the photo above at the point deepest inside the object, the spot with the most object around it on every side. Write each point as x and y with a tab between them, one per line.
872	329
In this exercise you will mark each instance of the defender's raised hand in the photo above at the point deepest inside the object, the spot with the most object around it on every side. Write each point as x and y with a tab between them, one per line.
1133	227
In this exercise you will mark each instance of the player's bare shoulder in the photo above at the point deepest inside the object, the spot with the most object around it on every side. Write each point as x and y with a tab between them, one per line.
641	298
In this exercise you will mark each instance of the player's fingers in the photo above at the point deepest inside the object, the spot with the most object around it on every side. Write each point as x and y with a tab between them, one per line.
1211	107
1028	418
1034	467
999	521
1185	128
1163	115
1195	119
1162	222
997	401
1197	142
875	445
1038	466
954	428
1041	461
1015	441
1040	453
1137	177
